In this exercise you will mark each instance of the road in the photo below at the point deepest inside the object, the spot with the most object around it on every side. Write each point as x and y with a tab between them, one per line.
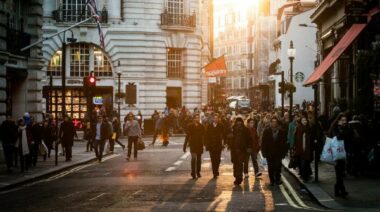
158	181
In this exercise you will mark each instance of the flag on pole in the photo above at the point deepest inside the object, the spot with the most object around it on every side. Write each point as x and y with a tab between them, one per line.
217	68
94	12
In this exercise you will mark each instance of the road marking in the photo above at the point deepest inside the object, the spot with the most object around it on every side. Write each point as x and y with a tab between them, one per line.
100	195
170	169
287	197
70	195
184	157
178	162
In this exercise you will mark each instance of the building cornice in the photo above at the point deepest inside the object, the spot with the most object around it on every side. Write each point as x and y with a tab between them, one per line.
322	8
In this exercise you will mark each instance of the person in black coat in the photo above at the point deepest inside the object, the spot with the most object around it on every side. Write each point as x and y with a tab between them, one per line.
66	134
214	143
274	148
239	146
8	136
195	139
37	130
102	133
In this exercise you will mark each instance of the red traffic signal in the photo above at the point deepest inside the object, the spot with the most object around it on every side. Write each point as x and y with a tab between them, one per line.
92	80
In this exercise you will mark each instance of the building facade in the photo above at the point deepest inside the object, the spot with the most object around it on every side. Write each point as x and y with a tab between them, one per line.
234	30
20	71
156	47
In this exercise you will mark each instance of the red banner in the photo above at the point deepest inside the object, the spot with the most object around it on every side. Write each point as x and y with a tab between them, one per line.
216	68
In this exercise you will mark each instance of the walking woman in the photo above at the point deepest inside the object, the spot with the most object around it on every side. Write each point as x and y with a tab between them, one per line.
134	133
116	132
303	148
340	129
23	143
239	146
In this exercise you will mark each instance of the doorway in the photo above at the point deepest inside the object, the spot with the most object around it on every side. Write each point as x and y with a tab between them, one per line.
174	97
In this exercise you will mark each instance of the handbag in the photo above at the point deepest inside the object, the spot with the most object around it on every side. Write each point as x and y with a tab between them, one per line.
43	149
140	144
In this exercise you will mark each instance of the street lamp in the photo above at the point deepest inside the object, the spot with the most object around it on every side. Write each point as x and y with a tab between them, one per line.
118	91
291	55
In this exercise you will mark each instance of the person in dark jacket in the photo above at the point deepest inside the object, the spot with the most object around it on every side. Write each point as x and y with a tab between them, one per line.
49	135
274	148
340	129
195	139
66	134
253	149
214	143
303	148
102	133
239	146
116	128
8	136
37	132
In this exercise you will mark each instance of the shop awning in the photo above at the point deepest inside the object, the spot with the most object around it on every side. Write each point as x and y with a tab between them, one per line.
335	53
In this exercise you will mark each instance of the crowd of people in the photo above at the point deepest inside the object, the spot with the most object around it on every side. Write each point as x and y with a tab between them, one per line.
272	134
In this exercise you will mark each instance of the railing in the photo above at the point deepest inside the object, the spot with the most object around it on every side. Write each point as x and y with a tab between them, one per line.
176	72
178	20
16	40
74	16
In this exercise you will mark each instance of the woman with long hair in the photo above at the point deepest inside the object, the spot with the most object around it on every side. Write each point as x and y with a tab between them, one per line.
303	147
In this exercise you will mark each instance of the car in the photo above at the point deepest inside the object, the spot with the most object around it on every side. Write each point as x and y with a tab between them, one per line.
240	105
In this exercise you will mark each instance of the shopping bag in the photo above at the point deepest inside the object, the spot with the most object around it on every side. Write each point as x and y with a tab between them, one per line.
338	150
140	144
43	149
263	161
114	136
327	153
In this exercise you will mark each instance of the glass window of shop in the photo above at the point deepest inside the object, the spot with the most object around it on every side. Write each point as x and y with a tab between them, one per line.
76	103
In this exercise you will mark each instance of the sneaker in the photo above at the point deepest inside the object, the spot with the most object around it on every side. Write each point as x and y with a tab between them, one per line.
258	174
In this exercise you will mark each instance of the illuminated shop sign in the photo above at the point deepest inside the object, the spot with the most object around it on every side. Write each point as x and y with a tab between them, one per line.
97	100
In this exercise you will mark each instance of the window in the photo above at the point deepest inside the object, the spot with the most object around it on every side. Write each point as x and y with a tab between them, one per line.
79	60
229	83
175	7
174	63
76	103
236	83
54	67
101	64
242	82
72	10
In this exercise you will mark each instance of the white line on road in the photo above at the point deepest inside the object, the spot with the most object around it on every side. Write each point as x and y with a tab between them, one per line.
170	169
100	195
178	162
184	157
287	197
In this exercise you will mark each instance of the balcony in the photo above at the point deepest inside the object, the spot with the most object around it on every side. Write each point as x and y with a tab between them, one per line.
74	16
16	40
178	22
176	72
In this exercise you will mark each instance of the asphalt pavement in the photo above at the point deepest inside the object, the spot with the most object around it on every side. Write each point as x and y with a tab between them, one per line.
159	180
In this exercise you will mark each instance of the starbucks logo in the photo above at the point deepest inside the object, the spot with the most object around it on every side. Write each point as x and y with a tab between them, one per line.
299	77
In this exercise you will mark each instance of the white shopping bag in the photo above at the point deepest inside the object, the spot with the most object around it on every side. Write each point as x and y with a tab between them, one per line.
339	152
263	161
327	152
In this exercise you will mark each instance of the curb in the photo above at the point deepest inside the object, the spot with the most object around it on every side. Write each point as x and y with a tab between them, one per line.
43	174
314	190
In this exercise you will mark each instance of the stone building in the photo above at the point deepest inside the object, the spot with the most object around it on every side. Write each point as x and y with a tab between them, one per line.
156	46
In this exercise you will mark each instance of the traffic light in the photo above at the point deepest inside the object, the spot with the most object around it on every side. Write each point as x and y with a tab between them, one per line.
281	87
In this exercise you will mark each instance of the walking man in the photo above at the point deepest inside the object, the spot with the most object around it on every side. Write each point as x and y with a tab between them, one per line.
195	139
102	133
274	148
67	133
134	133
214	143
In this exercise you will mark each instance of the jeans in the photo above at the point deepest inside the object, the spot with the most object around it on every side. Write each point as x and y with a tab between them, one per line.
252	155
132	140
68	151
274	169
196	160
215	161
99	148
237	161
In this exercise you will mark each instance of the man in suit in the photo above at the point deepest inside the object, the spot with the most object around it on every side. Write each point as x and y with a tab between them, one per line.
274	148
102	133
195	139
214	143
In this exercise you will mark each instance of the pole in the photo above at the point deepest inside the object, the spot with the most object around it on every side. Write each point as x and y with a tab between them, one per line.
118	100
63	77
282	94
291	92
316	156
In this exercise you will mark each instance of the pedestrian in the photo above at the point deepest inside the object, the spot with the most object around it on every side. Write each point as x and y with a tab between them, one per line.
48	136
340	129
111	142
134	134
116	127
102	133
23	143
140	120
253	148
214	143
157	123
88	136
239	146
37	131
303	148
66	135
195	135
8	137
274	149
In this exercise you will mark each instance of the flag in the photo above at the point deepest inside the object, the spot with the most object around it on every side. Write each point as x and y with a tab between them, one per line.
216	68
94	12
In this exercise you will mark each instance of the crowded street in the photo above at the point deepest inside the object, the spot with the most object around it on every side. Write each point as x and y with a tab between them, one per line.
159	180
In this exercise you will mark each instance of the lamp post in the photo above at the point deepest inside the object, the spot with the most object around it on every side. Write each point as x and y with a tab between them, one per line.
291	55
118	91
282	91
63	68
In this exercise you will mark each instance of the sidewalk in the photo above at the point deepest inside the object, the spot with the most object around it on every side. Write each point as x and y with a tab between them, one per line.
43	168
363	191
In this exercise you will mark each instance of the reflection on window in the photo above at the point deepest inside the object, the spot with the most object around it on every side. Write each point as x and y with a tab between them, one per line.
54	67
101	65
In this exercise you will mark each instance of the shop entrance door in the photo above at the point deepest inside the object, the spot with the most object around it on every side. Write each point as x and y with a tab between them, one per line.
174	97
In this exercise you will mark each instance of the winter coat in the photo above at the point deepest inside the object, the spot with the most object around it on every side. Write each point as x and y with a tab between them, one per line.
240	142
67	133
214	137
274	147
8	133
195	136
304	143
255	144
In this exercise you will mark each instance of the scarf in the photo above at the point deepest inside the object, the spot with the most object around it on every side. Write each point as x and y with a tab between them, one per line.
24	141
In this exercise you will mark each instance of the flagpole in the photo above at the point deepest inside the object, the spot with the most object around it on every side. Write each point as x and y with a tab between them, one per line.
55	34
